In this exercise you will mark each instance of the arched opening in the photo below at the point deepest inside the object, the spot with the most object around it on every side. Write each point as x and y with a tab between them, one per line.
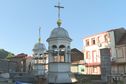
55	53
54	48
62	53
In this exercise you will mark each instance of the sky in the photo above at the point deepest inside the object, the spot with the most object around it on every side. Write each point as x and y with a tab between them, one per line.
20	21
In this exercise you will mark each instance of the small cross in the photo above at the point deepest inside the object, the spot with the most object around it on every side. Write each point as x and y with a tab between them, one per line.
59	7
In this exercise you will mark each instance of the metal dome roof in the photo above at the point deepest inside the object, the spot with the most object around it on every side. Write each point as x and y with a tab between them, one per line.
40	46
59	33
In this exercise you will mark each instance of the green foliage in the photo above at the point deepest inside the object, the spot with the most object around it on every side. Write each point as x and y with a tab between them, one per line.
10	55
4	54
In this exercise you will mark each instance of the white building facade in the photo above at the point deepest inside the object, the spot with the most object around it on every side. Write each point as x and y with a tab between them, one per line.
92	46
94	43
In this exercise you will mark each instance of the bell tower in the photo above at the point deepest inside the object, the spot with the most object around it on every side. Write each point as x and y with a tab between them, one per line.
59	51
39	56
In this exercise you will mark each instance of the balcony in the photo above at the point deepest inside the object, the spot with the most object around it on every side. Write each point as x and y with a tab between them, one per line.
92	64
118	60
121	60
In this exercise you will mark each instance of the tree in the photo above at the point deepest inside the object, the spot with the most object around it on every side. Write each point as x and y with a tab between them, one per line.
4	54
9	56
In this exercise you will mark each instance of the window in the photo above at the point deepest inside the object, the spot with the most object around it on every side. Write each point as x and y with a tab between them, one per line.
98	39
82	70
94	56
106	37
87	42
93	41
119	52
94	69
40	61
87	55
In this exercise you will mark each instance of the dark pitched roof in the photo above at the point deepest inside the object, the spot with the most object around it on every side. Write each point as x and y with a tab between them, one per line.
118	34
21	55
117	29
76	55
